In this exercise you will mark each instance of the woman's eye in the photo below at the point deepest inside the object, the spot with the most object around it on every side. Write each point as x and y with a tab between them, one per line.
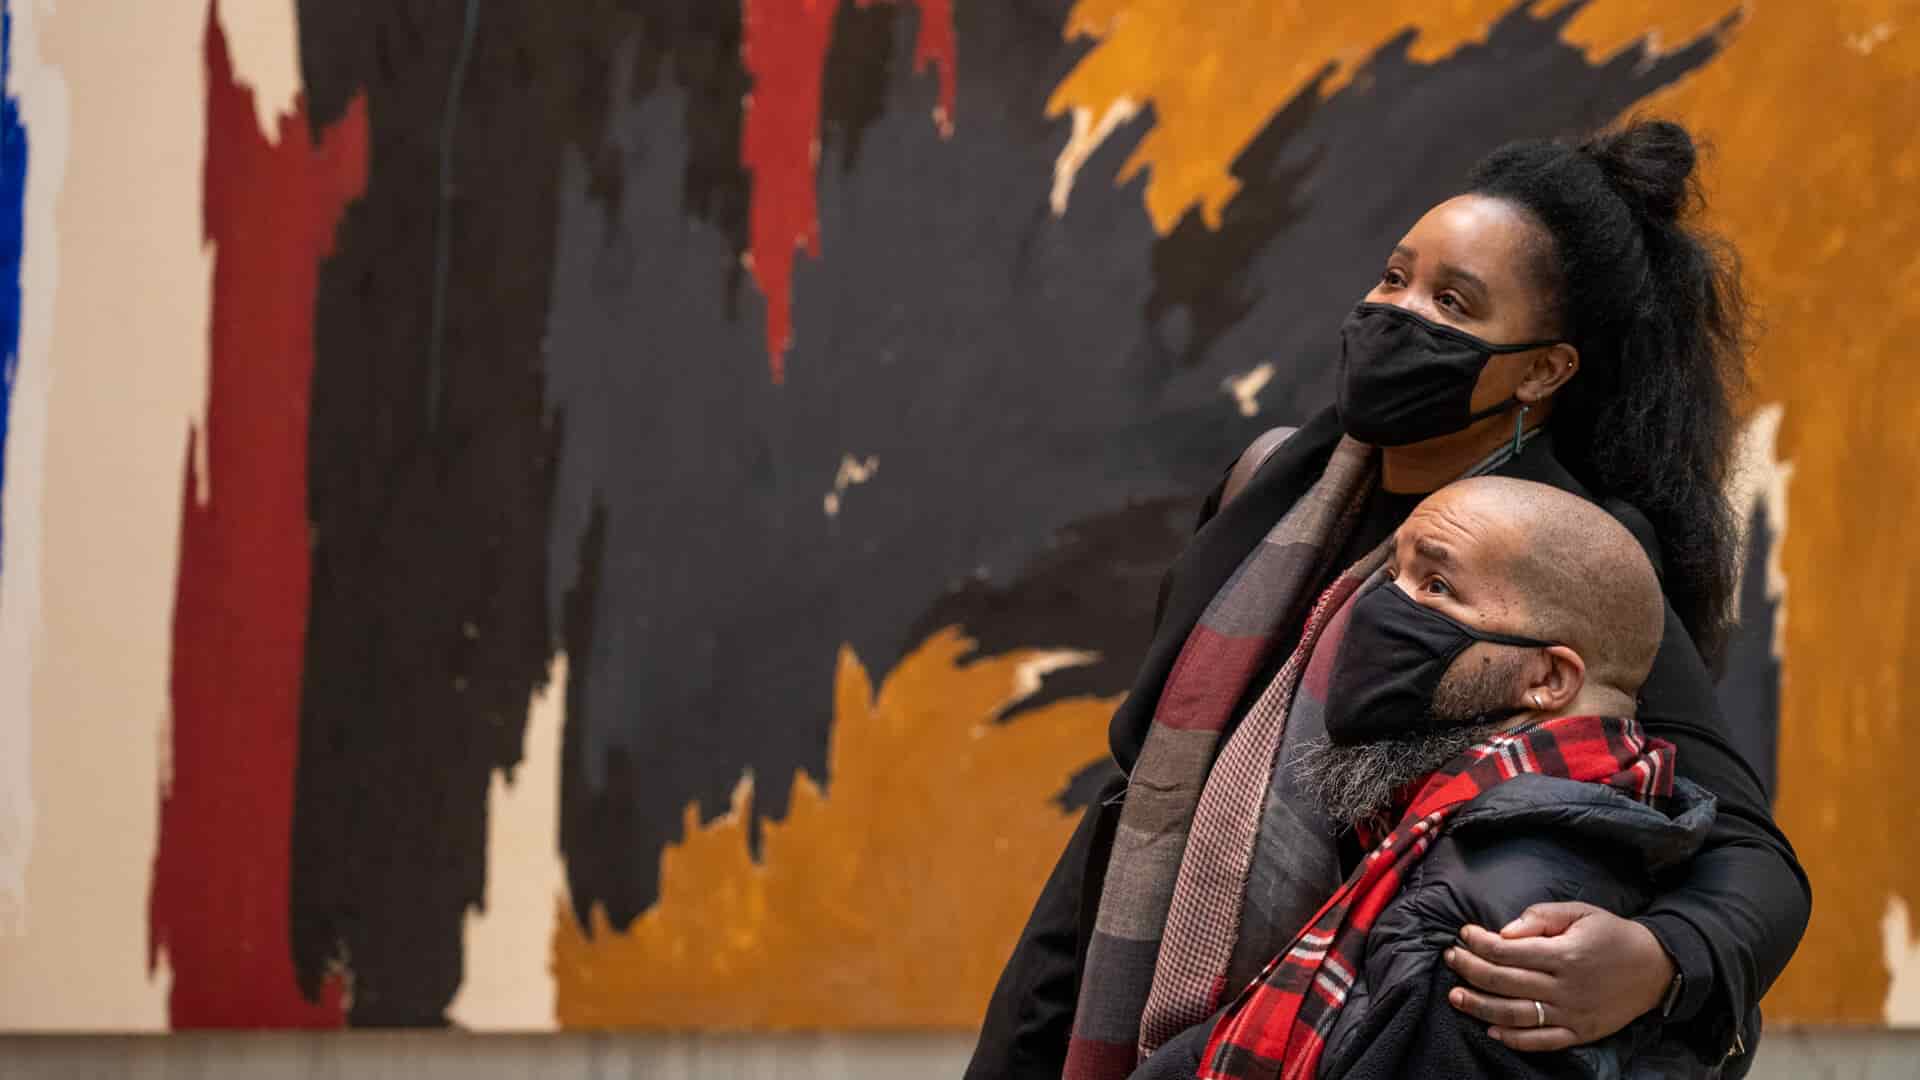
1437	587
1448	300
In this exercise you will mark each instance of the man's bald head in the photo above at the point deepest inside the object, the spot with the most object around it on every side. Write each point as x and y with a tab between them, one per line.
1502	557
1579	577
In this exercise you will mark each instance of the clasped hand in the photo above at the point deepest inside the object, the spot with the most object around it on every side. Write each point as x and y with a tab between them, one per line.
1592	972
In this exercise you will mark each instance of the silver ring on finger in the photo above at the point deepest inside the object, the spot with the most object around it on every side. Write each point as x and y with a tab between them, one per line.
1539	1015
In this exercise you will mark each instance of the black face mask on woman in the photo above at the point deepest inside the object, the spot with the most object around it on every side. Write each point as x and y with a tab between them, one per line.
1405	379
1391	660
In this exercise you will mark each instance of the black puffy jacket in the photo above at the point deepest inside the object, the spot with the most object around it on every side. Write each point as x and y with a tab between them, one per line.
1534	839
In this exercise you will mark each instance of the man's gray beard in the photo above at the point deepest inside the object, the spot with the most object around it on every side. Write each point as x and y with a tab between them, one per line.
1354	783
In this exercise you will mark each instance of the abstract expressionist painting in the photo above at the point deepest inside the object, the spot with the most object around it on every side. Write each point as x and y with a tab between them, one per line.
590	514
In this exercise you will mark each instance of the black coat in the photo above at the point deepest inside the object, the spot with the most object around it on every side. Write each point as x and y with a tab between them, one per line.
1531	840
1731	923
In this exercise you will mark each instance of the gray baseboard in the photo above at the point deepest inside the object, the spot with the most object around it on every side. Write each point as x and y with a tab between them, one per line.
1788	1055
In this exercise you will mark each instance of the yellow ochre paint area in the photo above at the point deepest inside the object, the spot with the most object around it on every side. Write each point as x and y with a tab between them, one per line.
1816	177
890	900
1215	72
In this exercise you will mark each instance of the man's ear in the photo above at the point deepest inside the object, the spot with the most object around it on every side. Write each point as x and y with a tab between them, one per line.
1550	370
1557	684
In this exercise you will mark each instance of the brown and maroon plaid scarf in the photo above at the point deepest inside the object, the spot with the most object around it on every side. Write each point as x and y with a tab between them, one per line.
1205	916
1214	669
1279	1025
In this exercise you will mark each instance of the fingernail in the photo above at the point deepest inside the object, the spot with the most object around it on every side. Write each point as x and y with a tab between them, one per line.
1448	955
1457	998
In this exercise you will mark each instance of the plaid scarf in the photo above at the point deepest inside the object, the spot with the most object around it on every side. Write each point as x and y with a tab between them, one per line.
1206	920
1215	667
1279	1025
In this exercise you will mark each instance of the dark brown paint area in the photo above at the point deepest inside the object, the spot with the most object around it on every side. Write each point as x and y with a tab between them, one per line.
432	447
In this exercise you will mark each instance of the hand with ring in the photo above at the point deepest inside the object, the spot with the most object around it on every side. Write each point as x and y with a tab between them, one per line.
1560	975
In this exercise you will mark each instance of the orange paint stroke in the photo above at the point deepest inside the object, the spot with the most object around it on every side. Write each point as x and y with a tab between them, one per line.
889	902
1216	73
1813	176
784	47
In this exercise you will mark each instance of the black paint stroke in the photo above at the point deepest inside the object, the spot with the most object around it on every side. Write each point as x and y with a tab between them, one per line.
1085	590
859	73
1749	688
1201	285
429	623
442	210
691	48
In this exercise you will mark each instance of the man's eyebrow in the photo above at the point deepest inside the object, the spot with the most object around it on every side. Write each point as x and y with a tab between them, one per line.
1433	551
1406	252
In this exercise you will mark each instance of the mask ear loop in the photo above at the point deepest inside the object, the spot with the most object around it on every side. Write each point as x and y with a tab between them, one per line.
1519	422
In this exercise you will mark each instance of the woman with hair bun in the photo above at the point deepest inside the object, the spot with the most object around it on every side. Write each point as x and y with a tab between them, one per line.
1563	320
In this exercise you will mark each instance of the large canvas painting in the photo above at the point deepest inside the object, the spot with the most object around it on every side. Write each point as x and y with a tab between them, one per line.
583	514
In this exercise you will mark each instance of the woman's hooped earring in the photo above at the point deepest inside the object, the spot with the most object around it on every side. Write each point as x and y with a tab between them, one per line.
1519	425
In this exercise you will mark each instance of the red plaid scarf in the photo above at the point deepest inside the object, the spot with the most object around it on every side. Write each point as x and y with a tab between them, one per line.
1279	1025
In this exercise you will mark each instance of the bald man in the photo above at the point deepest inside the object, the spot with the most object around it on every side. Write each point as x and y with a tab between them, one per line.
1503	555
1481	741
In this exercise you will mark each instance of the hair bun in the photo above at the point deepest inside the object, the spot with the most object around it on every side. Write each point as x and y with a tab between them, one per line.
1651	164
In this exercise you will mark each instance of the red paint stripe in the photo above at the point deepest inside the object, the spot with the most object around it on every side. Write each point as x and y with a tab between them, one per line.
219	905
935	45
784	47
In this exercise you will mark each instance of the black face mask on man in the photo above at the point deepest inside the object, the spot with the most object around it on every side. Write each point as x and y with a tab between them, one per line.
1405	379
1391	660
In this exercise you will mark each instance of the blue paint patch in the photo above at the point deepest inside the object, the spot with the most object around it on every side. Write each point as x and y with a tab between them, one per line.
13	198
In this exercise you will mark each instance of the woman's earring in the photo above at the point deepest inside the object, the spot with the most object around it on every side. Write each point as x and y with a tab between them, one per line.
1519	423
1536	699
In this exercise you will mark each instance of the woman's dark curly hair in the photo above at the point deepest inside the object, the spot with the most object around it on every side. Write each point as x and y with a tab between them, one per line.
1654	305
